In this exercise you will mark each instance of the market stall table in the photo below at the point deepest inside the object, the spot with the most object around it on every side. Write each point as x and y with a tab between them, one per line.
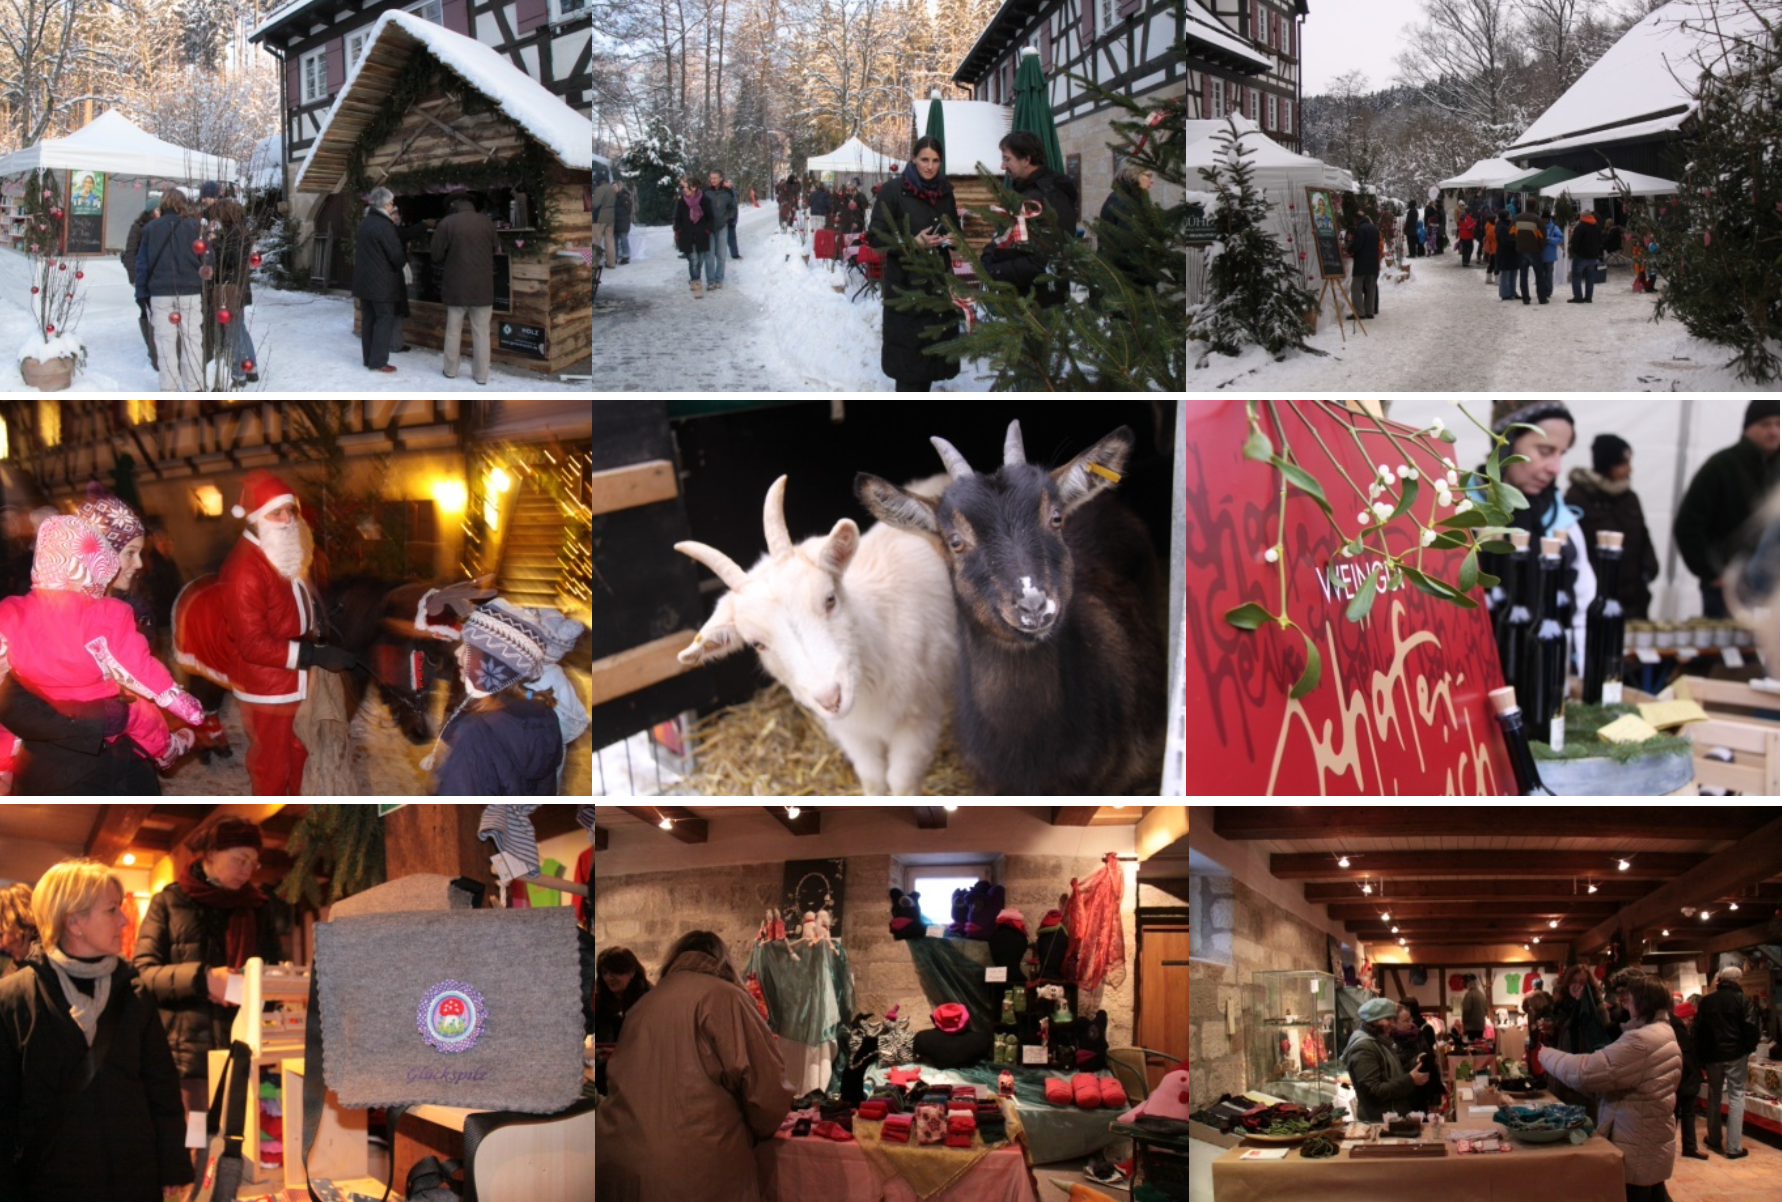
799	1170
1587	1172
1054	1133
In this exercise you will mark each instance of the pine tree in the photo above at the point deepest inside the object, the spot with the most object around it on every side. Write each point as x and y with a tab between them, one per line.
657	162
1253	296
1719	240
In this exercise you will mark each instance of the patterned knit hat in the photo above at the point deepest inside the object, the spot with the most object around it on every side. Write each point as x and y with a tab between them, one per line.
261	491
113	519
1505	414
510	645
72	557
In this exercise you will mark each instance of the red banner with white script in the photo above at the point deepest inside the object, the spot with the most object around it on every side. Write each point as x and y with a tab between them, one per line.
1401	707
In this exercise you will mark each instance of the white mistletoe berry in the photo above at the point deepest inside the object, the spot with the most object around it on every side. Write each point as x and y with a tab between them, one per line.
1272	555
1386	474
1363	518
1453	478
1447	461
1463	507
1383	509
1429	536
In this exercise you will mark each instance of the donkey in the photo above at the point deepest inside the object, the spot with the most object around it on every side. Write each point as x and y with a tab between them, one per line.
857	627
1060	609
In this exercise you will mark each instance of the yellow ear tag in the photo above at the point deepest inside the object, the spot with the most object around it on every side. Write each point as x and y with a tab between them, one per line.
1105	473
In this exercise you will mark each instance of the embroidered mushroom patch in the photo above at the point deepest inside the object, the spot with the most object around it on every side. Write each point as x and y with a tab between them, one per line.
451	1016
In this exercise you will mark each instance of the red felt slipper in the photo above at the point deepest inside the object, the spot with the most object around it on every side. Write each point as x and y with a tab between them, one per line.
1058	1091
1113	1094
1087	1092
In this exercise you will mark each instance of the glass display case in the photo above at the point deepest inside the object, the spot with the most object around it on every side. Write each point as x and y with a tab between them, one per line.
1296	1033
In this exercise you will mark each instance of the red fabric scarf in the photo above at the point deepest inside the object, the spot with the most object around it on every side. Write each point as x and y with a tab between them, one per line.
242	938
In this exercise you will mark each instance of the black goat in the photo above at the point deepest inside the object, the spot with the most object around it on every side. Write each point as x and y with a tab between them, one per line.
1061	687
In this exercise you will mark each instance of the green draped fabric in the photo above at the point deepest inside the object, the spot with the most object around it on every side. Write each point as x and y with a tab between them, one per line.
810	998
952	970
937	128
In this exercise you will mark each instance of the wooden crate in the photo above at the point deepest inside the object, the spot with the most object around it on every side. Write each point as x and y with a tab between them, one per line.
1734	724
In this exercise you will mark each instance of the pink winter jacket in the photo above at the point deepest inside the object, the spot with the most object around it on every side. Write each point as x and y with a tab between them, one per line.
1637	1076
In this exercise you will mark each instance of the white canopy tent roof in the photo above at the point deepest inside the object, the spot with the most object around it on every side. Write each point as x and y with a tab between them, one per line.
1486	173
1610	182
112	143
974	128
854	156
1274	166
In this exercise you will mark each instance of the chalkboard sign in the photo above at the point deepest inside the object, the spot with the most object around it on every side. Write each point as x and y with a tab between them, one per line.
1323	210
85	230
524	340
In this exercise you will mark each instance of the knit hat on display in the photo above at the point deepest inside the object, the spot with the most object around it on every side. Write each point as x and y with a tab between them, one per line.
261	491
113	519
1012	918
951	1017
510	643
1608	452
1377	1008
1756	411
72	557
1505	414
1051	922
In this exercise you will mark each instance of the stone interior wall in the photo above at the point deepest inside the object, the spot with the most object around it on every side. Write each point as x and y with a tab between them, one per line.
1233	933
646	912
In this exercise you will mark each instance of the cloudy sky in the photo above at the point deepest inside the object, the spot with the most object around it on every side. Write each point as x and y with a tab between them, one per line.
1348	35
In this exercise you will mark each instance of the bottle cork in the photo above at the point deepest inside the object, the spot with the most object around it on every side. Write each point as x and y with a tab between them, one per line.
1609	540
1503	700
1550	547
1519	539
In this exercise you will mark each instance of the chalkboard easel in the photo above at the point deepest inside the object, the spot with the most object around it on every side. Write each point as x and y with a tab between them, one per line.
1323	210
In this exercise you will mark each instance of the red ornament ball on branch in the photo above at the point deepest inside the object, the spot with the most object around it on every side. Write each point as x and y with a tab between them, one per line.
247	365
48	329
61	267
33	289
198	246
80	275
224	316
254	259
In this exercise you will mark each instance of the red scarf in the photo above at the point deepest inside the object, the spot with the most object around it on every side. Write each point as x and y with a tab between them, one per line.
242	938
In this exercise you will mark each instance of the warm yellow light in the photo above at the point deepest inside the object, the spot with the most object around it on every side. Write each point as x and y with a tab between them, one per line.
5	449
499	481
141	412
49	422
129	858
450	495
208	500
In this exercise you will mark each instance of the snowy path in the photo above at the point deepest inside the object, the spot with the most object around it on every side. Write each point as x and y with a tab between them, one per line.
778	324
1444	330
303	341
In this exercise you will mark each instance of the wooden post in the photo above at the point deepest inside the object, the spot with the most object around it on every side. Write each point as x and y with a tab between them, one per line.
437	838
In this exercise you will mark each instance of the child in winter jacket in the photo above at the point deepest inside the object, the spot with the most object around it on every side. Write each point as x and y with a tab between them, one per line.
67	641
501	743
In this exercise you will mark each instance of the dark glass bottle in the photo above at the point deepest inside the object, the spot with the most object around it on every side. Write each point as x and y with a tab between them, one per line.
1514	620
1567	609
1540	677
1605	626
1522	763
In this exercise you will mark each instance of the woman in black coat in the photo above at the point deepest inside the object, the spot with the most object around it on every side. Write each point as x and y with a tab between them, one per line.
693	233
918	203
89	1098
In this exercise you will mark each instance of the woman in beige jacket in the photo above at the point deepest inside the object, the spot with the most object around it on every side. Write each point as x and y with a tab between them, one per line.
695	1082
1637	1078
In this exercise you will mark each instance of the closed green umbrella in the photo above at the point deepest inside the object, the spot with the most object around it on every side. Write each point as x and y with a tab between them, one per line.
937	128
1033	107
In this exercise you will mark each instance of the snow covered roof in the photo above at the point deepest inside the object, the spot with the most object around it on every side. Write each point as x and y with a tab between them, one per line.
856	156
1207	29
567	134
113	143
1610	182
974	127
1642	85
1486	173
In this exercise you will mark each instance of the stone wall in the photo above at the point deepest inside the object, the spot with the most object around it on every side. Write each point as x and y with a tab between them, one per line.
1234	932
646	912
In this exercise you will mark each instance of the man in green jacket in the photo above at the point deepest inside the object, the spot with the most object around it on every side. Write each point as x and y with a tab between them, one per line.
1381	1082
1726	492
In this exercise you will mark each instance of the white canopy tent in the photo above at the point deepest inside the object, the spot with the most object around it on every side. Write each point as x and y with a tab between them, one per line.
114	144
1610	182
1486	173
854	157
1275	168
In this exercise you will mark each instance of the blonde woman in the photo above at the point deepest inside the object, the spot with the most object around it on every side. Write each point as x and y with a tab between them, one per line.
17	931
89	1099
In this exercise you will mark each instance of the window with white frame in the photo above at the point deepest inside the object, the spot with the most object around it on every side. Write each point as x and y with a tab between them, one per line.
1218	90
312	70
1273	120
1255	105
355	45
428	10
562	10
1286	116
936	883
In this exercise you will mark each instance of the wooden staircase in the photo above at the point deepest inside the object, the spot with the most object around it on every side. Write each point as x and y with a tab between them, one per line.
529	551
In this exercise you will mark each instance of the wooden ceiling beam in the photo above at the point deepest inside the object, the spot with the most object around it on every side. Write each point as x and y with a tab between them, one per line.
1363	823
1494	891
808	822
1728	941
1074	815
1488	929
687	827
1754	858
931	818
600	838
1532	911
549	821
114	829
1322	866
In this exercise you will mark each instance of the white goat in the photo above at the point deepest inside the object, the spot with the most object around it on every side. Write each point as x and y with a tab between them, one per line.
859	628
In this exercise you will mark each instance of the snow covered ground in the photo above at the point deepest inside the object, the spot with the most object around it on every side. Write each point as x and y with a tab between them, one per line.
777	325
1444	330
303	342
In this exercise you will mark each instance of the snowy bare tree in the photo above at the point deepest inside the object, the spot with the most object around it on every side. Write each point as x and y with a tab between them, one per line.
1354	141
847	54
1465	52
39	52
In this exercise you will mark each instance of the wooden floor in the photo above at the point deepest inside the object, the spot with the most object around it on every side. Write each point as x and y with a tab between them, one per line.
1755	1178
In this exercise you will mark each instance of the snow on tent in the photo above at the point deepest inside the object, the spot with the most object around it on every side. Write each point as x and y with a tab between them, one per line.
1610	182
855	157
476	126
1637	96
1486	173
107	169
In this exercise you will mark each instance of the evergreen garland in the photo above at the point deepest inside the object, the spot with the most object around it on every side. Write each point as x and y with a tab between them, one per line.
345	840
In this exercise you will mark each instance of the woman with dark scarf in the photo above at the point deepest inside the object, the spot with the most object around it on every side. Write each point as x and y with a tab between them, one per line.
198	931
1547	514
919	203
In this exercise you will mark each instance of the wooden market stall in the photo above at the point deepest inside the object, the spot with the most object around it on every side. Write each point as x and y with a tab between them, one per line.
431	114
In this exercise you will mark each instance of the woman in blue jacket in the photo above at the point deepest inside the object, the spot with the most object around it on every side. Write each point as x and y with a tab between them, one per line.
1555	238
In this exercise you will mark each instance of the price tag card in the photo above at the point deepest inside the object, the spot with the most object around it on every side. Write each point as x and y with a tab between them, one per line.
1731	657
996	976
937	932
1647	655
1033	1054
232	992
196	1136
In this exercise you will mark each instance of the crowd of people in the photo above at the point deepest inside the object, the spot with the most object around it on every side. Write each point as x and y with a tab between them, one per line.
1637	1066
90	707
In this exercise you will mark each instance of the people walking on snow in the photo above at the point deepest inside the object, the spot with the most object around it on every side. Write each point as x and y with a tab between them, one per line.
167	281
1554	238
1364	254
1413	239
918	203
132	244
820	203
1464	230
378	260
1506	256
606	196
1530	239
722	206
1587	249
693	234
735	211
231	288
1488	245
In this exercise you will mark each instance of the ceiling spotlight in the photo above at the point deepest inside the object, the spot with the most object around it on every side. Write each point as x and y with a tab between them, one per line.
129	858
1665	934
1343	862
1395	930
1592	887
1732	905
1386	916
1621	864
666	824
1553	923
1366	888
1537	938
1689	911
1704	916
792	812
1402	943
1525	947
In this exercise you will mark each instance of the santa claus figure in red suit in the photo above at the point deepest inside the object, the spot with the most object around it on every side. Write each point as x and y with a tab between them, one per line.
254	629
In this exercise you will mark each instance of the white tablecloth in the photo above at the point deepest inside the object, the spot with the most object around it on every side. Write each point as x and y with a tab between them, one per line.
821	1170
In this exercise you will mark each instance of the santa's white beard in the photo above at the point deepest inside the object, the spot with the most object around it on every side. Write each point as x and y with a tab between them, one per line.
287	547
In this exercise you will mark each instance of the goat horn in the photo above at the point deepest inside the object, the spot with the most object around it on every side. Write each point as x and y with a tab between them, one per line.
773	518
957	467
722	566
1013	451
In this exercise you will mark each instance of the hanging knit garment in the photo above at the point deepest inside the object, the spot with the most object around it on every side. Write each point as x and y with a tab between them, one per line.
1098	944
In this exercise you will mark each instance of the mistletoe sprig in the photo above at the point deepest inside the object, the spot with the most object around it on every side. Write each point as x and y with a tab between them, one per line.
1464	509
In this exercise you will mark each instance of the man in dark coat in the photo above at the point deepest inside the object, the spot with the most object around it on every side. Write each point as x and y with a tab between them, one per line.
1364	253
132	244
1604	493
918	203
66	752
378	260
1726	492
1531	240
622	206
723	209
1022	263
464	247
1727	1030
1587	249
